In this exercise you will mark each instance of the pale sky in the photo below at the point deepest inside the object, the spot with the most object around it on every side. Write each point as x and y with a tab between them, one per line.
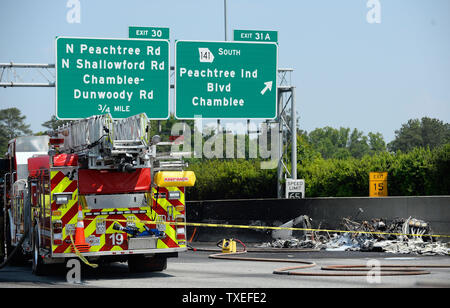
347	72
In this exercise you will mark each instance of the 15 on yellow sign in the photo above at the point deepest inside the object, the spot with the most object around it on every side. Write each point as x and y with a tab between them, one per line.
378	184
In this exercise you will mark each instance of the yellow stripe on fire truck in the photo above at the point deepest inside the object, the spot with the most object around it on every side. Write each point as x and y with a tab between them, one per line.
63	211
168	203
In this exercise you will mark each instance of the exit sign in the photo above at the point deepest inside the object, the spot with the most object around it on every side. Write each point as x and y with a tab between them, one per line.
231	80
123	77
378	182
148	32
255	35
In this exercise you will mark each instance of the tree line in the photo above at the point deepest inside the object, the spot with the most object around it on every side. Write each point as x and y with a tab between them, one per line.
343	143
333	161
421	171
330	142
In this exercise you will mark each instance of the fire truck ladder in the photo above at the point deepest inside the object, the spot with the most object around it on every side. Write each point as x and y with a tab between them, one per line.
122	144
107	142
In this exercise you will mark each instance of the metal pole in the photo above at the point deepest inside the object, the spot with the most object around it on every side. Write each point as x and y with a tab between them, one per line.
294	136
24	84
51	65
27	65
12	65
280	146
225	18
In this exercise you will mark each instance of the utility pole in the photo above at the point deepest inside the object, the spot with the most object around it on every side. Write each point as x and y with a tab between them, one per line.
225	18
294	136
226	39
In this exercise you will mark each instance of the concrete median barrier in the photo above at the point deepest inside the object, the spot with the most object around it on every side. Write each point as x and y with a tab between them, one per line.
325	211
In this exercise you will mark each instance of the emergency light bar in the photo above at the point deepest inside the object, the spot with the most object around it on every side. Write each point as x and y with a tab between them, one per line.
54	141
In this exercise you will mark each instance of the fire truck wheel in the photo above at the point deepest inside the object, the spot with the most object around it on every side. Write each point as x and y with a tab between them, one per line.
141	263
37	265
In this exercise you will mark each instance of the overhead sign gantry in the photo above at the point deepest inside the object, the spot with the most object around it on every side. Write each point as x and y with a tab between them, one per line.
212	80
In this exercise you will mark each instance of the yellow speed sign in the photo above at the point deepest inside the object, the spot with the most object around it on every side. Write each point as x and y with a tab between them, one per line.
378	184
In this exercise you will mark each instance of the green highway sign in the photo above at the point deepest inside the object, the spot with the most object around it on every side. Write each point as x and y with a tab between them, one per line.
148	32
123	77
255	35
225	80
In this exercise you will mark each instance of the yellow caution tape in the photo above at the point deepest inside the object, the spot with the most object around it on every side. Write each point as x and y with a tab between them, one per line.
196	224
77	252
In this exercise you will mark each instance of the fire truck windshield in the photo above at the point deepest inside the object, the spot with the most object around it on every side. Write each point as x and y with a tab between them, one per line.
32	144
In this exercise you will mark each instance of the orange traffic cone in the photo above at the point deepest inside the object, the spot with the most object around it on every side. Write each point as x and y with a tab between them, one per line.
80	241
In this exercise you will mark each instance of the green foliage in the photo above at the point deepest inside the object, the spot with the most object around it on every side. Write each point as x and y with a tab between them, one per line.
329	141
336	162
54	123
415	133
341	144
358	144
376	143
11	125
232	179
333	162
441	161
419	172
333	177
305	151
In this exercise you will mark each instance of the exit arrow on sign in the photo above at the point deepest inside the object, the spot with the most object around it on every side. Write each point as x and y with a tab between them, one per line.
267	87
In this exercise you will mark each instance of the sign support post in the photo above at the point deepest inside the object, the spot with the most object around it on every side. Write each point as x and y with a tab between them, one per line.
286	97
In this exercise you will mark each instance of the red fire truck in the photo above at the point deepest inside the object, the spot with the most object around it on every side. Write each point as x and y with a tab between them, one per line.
96	188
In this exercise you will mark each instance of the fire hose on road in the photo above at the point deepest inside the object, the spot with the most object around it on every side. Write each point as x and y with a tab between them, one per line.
330	270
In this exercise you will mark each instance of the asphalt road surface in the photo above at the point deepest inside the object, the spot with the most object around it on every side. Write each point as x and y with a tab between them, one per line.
194	269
